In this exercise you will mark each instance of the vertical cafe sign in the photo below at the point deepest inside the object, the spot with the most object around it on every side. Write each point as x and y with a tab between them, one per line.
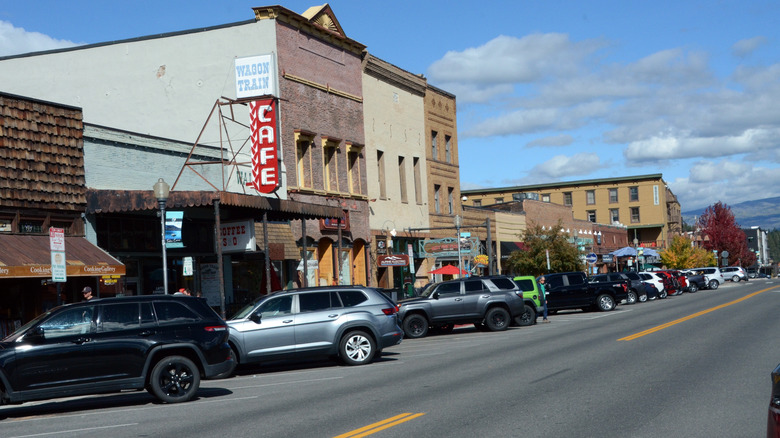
256	76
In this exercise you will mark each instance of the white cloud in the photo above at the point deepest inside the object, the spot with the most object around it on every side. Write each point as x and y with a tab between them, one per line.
725	181
675	145
562	166
507	59
743	48
16	40
553	140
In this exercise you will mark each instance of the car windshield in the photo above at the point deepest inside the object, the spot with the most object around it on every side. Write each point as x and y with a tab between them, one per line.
246	310
23	329
428	289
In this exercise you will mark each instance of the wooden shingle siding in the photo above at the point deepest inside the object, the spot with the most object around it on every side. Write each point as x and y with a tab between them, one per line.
41	155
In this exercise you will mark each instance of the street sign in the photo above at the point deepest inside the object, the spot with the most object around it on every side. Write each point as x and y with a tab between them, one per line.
592	258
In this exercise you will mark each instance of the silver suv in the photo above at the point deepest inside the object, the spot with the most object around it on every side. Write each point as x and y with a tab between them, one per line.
713	276
734	273
354	323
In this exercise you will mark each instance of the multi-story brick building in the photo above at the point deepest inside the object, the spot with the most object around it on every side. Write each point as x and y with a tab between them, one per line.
643	203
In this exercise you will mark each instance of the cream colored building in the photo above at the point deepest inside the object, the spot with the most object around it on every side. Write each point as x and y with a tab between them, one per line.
643	203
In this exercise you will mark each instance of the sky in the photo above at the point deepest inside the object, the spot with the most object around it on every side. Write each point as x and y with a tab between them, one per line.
546	90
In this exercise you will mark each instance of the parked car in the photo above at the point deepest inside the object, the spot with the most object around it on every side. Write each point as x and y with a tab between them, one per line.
696	280
734	273
531	299
573	290
671	283
487	302
353	323
636	290
656	280
773	421
161	343
713	275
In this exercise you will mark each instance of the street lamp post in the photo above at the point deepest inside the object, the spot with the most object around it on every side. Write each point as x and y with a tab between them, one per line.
458	222
636	251
161	191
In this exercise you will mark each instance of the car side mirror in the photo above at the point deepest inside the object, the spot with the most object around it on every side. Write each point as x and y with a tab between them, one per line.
255	317
435	295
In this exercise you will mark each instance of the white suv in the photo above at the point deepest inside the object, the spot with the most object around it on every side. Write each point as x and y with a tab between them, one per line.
713	275
734	273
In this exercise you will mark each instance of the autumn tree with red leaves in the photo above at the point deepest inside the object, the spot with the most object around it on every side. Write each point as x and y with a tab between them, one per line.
722	233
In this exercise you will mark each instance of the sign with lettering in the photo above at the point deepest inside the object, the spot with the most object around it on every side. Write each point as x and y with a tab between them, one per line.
262	131
256	76
237	236
392	260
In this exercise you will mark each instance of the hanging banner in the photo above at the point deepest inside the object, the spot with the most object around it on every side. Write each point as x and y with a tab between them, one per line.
262	126
173	222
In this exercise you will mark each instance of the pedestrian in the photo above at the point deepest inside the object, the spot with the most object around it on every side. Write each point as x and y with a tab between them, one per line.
87	292
543	296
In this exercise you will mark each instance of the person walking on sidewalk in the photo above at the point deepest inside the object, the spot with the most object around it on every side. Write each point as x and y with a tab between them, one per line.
543	296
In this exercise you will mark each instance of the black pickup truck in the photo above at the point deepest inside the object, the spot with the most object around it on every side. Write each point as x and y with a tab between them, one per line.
572	290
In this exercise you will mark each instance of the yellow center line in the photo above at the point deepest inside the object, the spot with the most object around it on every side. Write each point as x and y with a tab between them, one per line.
380	425
697	314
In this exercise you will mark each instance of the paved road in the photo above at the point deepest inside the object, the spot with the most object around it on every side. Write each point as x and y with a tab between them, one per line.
696	366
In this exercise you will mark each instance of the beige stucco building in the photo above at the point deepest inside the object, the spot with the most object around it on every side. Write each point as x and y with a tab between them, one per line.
643	203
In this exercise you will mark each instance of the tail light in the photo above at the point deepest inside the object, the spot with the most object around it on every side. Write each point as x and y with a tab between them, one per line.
216	328
390	310
625	287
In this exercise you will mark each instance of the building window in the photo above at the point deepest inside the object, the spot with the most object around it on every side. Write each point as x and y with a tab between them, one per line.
590	197
303	160
499	200
417	181
634	214
613	196
592	216
402	178
450	204
354	152
477	203
545	197
330	169
633	194
436	206
434	147
447	150
567	199
614	215
380	172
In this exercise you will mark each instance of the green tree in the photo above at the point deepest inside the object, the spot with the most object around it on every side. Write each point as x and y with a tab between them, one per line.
773	242
538	242
682	255
719	225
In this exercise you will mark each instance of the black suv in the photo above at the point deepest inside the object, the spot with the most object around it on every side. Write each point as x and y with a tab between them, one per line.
161	343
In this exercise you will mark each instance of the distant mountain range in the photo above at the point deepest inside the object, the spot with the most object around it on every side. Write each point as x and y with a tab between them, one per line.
764	213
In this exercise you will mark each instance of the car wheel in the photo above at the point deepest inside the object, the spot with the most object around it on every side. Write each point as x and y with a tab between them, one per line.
662	294
415	326
643	298
174	379
693	288
714	284
735	279
497	319
631	298
527	318
605	303
357	348
229	372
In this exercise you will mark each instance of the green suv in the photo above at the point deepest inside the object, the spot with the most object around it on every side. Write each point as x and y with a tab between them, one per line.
532	298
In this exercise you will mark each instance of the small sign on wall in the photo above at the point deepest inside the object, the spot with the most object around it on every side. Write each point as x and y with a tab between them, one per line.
256	76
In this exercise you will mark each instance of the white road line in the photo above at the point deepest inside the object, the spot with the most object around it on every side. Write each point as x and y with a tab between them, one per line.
76	430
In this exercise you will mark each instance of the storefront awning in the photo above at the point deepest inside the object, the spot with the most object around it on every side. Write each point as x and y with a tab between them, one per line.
508	247
281	243
23	256
114	201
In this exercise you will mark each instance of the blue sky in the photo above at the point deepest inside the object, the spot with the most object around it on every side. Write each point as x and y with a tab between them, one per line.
546	90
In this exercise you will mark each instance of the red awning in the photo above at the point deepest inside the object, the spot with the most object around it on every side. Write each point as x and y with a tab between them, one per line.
25	256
